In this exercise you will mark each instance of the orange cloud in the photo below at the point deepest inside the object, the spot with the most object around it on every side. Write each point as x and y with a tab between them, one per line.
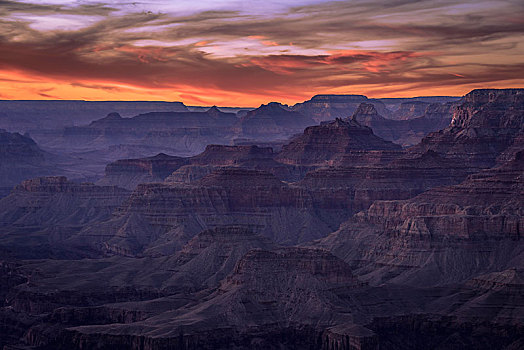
392	52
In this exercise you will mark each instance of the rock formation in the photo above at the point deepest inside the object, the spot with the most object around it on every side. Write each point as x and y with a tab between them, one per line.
128	173
20	159
161	218
407	131
185	132
444	235
287	290
39	117
410	110
330	142
342	240
394	103
329	107
488	122
41	213
399	179
272	121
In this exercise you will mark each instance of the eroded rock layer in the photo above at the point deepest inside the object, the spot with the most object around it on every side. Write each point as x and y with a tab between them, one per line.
483	126
444	235
408	131
328	143
40	214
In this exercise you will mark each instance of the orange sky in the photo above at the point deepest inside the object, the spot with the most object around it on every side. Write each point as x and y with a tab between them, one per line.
228	53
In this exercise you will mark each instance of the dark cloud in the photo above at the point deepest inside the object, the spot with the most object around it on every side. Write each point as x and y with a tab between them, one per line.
414	44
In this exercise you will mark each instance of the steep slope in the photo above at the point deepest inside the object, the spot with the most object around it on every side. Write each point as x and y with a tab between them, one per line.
403	178
41	213
185	132
160	218
394	103
332	142
407	131
410	110
21	159
38	117
128	173
488	122
271	121
295	298
444	235
329	107
248	157
222	155
279	297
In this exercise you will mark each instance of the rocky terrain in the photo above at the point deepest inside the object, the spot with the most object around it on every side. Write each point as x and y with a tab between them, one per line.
476	225
410	110
85	142
39	214
190	130
160	218
331	142
329	107
414	123
273	121
340	240
22	159
31	116
486	124
394	104
128	173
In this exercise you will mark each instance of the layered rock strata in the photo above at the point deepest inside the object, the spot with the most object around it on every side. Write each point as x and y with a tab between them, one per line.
444	235
329	143
39	214
488	122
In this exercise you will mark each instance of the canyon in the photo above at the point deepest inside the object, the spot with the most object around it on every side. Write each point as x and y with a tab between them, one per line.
374	224
82	137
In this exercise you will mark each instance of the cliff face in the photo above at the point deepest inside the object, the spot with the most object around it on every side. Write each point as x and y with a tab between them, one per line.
41	213
406	131
486	124
128	173
14	145
247	157
273	121
212	255
182	132
330	142
34	115
425	250
402	178
20	159
329	107
276	298
286	290
229	155
410	110
159	218
444	235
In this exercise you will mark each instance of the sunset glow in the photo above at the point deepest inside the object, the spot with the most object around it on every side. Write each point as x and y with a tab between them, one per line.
240	53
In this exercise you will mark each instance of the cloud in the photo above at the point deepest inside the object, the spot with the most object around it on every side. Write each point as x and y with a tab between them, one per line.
229	52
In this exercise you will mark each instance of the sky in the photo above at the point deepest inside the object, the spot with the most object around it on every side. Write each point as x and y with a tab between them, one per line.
244	53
